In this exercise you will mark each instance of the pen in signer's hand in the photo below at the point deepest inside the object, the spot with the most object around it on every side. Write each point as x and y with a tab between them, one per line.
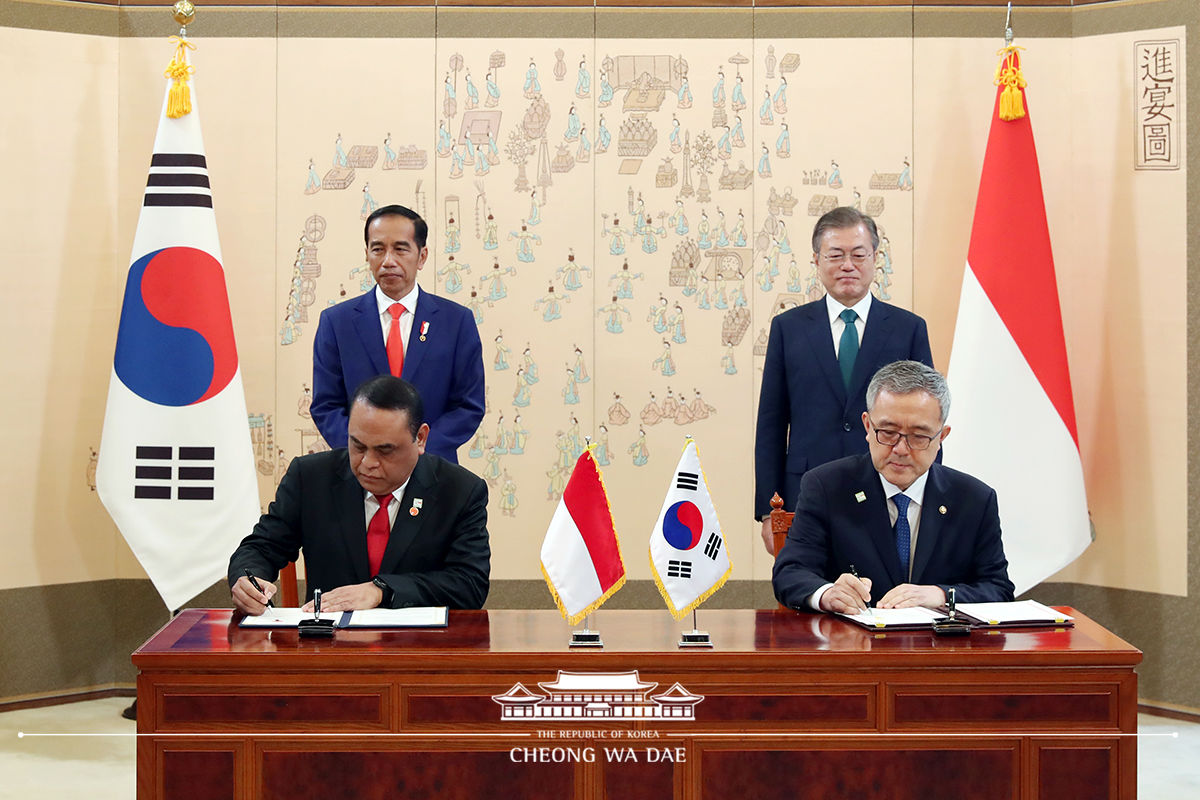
257	587
854	572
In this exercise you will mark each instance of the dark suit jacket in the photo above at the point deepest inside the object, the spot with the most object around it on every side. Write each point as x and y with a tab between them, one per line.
805	414
832	529
439	557
446	368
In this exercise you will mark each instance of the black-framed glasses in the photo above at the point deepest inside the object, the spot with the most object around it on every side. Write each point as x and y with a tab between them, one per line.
836	258
915	441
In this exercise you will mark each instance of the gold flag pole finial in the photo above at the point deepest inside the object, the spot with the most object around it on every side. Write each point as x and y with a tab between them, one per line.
179	101
1008	75
184	12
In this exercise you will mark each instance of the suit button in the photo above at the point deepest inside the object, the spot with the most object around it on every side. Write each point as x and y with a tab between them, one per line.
846	427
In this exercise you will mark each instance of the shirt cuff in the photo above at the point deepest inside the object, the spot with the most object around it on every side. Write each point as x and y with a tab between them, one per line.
814	599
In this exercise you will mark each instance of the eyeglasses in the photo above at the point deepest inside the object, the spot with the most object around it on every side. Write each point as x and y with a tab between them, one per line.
835	258
915	441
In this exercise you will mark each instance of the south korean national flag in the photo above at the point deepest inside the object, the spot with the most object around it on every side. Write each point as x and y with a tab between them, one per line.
687	551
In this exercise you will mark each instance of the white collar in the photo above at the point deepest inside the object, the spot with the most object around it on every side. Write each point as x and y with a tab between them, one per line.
409	301
915	492
835	309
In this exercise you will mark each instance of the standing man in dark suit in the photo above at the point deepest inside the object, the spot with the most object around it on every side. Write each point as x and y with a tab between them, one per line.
892	524
397	329
819	359
381	524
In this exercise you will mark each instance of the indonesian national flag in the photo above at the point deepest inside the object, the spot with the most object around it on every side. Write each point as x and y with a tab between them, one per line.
176	470
581	557
687	551
1013	413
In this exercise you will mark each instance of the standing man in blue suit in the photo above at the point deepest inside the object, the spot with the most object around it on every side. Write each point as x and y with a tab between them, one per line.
397	329
893	525
820	357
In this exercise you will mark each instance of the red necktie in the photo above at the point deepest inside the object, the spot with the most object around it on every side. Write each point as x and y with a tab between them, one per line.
395	344
377	534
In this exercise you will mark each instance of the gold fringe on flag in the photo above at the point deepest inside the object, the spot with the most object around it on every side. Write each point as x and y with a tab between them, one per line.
1008	75
179	101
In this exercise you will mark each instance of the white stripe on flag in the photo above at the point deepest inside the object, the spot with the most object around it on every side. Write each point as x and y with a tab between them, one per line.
1006	432
567	563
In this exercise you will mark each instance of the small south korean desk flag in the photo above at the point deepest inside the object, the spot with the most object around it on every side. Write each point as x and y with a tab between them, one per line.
176	468
687	551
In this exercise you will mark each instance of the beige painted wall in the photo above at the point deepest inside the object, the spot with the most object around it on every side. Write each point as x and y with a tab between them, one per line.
58	248
268	105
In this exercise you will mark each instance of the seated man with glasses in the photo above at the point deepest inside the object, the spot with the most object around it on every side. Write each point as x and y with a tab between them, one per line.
819	358
892	526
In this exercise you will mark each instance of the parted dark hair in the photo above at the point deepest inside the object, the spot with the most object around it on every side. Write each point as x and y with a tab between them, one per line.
420	228
840	218
389	393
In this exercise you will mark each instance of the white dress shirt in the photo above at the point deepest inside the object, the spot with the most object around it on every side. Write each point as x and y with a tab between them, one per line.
837	324
371	505
409	301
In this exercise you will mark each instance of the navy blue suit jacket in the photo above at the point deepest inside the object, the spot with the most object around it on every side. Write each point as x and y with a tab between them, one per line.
958	539
438	557
446	368
806	416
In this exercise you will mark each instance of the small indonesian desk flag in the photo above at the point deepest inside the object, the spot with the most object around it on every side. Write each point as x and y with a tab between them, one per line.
687	551
1013	414
176	469
581	557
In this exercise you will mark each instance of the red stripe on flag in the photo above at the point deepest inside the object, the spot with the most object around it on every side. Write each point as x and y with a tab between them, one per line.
587	504
1011	257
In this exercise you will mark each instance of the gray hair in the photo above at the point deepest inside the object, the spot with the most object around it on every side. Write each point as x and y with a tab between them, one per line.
906	377
840	218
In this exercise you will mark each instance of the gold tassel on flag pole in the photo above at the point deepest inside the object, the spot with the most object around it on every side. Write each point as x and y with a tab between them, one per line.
179	101
1008	75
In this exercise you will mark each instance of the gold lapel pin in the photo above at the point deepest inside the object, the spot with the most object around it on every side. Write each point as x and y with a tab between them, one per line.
941	509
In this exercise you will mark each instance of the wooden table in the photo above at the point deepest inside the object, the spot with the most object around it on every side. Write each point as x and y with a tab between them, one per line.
794	706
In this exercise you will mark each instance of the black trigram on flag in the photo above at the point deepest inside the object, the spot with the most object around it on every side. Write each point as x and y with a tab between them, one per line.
155	473
679	569
713	546
178	179
687	480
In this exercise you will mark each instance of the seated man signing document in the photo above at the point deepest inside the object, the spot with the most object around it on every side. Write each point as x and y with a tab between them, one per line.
892	526
381	523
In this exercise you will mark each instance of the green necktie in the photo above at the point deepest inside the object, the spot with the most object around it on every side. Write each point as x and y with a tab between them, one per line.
848	346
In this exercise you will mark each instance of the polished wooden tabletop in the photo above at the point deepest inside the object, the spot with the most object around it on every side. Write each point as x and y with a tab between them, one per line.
514	638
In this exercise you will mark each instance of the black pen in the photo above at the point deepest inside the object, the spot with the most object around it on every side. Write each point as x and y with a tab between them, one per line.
259	589
854	572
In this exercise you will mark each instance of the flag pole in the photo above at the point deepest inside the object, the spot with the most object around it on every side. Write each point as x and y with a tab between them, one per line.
695	637
586	637
183	12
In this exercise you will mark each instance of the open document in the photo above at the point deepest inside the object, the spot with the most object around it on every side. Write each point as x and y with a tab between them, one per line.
918	617
415	617
1021	612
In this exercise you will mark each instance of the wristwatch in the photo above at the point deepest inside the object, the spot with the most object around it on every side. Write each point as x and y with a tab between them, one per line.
388	594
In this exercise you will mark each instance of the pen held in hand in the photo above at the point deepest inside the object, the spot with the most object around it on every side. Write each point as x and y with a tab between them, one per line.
867	606
258	588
